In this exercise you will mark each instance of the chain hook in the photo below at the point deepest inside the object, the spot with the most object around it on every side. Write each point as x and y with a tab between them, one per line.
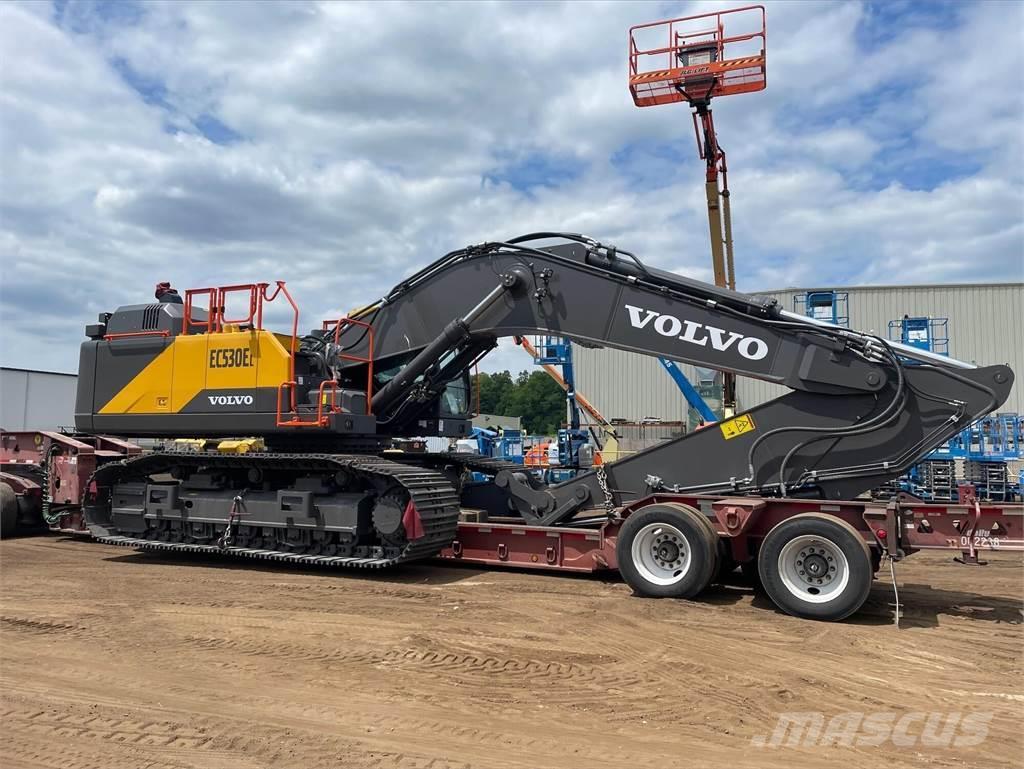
227	539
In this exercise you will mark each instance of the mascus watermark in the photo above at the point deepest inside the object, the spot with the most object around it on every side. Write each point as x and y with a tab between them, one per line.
904	730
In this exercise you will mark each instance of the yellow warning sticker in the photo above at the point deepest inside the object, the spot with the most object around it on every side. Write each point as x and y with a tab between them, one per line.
737	426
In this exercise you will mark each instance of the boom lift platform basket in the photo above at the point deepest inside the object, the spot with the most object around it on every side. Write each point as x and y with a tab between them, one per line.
693	58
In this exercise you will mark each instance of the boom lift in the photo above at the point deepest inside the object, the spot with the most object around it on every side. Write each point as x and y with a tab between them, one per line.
693	60
552	351
549	351
328	403
692	395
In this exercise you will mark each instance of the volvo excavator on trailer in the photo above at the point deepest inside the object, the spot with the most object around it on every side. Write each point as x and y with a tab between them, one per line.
861	410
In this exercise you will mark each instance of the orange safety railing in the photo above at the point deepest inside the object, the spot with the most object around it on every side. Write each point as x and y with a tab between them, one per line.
216	322
216	307
211	315
344	323
322	419
291	384
258	294
688	63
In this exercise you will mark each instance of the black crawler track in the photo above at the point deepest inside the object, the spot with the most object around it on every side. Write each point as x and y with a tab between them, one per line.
465	462
435	498
250	552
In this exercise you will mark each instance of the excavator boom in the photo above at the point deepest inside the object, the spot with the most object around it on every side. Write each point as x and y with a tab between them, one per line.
862	410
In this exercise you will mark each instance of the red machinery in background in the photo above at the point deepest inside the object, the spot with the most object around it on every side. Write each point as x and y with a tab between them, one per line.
43	476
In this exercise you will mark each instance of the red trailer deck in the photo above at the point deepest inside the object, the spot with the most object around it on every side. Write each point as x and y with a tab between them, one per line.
815	559
47	472
897	527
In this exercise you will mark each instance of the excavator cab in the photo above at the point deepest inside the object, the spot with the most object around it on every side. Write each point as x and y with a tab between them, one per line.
440	408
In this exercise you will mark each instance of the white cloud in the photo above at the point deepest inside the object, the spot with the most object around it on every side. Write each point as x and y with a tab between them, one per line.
372	138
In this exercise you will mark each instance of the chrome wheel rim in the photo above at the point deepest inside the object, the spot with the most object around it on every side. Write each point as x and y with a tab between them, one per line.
813	568
661	554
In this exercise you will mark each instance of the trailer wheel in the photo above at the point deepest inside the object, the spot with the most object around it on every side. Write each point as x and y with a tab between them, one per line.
667	551
8	510
815	566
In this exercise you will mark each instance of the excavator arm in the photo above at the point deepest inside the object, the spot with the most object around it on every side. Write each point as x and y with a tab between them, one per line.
862	409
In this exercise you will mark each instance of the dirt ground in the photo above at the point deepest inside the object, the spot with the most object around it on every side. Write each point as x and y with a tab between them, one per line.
110	658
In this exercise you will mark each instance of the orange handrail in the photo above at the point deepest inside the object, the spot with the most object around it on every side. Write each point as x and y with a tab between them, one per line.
186	318
259	294
367	359
295	331
321	419
255	303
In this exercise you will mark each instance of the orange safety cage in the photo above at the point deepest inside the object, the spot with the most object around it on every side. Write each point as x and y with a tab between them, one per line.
324	408
217	322
339	326
693	58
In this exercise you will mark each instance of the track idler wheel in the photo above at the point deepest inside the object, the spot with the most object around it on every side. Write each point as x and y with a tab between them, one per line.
388	514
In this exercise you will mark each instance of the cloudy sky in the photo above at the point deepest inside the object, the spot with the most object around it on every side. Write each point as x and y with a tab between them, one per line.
342	146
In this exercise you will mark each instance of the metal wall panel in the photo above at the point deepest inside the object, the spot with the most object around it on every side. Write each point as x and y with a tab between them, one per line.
36	400
986	325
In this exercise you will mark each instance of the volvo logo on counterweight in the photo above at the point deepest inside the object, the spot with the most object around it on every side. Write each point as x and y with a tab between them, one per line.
701	334
230	400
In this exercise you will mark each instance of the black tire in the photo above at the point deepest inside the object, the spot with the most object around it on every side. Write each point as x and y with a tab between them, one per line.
829	587
8	510
721	554
679	527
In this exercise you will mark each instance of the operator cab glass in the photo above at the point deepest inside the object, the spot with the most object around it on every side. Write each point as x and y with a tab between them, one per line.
455	398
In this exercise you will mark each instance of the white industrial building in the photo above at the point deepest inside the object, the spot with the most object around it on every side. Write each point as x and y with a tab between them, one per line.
986	326
36	400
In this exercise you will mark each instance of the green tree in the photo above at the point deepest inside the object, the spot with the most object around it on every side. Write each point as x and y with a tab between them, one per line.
494	389
533	396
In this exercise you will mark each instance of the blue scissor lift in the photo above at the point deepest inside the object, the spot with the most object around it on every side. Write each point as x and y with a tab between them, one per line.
934	477
986	446
827	305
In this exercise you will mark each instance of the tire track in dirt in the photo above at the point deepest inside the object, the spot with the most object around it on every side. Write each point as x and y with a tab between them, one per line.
216	739
40	627
179	665
446	663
